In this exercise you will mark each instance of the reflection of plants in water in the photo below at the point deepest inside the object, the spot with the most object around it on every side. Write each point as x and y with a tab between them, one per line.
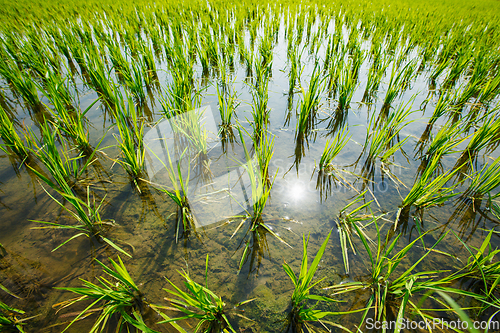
200	303
120	296
300	314
255	249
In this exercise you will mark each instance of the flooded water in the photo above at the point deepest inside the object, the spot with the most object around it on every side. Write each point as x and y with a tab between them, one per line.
146	220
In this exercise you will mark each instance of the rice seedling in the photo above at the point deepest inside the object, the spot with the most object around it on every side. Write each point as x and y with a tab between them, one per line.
23	85
260	98
375	75
13	144
200	303
66	174
299	313
9	318
130	142
99	78
347	86
443	106
428	192
294	62
484	181
388	288
397	84
457	69
118	296
261	186
228	103
490	90
481	265
345	223
485	135
443	143
178	191
329	173
181	93
308	110
332	149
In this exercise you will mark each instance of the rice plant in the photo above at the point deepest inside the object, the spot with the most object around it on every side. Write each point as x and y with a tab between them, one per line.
428	191
484	136
300	315
9	318
130	141
388	288
228	103
347	86
397	84
118	296
382	141
200	303
307	114
328	172
260	98
178	191
332	149
345	227
13	144
484	181
261	188
66	174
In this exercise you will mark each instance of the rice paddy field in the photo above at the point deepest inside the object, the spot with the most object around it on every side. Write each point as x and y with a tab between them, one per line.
249	166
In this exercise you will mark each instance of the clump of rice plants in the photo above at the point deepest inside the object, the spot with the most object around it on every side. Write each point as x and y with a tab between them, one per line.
200	303
484	136
397	84
228	104
329	172
130	141
428	190
345	226
382	141
484	181
307	113
66	174
300	315
178	191
260	98
387	288
119	296
13	144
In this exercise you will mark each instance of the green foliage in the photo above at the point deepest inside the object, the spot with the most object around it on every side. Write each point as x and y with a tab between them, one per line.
200	303
116	296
